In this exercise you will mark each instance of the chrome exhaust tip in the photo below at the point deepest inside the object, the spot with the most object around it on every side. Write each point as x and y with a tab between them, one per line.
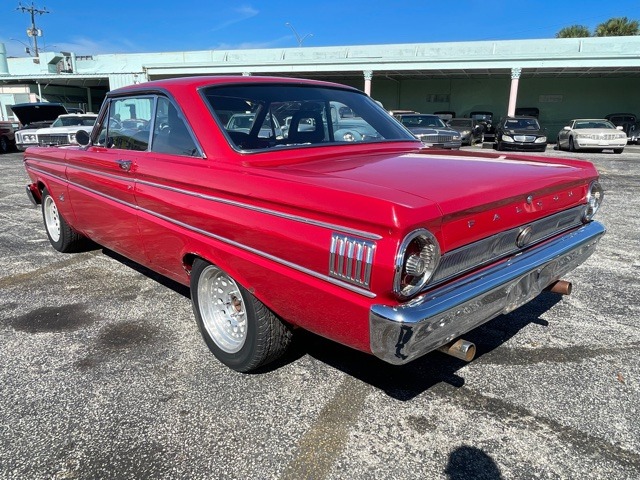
459	348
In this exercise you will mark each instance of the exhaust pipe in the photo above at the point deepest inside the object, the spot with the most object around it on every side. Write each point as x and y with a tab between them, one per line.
561	286
461	349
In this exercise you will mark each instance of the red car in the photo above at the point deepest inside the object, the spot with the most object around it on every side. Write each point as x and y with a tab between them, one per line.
343	224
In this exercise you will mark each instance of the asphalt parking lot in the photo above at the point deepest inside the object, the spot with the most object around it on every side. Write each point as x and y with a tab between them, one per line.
103	374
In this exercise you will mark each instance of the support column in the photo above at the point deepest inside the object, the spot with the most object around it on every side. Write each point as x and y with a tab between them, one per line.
368	75
513	95
89	101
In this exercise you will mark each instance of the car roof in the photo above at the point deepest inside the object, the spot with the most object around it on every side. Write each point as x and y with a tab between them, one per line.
191	83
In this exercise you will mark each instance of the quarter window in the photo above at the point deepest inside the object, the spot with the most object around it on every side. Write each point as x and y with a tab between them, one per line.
170	133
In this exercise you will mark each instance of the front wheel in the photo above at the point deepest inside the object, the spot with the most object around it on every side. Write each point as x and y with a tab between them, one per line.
572	146
618	150
239	329
4	145
62	237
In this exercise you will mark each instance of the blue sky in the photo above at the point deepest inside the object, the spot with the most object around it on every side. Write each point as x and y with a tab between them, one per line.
94	27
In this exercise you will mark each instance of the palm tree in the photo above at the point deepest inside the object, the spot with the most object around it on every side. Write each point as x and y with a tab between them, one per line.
617	27
574	31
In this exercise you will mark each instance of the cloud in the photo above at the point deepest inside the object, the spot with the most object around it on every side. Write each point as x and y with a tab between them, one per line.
237	15
275	43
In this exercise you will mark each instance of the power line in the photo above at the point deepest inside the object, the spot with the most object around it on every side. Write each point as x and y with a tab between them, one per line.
33	32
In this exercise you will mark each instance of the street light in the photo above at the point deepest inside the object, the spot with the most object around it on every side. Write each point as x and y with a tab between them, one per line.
27	48
298	37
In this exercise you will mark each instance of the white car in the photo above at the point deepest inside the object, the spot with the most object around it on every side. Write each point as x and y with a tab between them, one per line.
595	134
63	130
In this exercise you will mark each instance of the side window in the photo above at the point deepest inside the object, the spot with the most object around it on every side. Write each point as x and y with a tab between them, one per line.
127	124
170	133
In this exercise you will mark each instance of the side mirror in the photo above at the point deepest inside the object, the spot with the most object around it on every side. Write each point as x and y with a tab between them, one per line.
82	137
566	128
619	127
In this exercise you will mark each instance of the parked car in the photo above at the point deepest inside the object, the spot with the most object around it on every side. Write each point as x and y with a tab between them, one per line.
520	133
375	242
64	129
527	112
486	119
8	136
634	134
33	116
470	130
445	115
431	130
596	134
625	120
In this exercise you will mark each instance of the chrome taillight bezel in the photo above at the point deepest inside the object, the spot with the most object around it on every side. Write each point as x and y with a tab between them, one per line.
595	196
405	285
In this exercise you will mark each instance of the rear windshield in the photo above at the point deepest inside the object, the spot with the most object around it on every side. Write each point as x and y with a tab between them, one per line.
262	117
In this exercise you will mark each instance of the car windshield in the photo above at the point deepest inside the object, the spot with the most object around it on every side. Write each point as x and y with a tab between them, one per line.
261	117
522	124
593	124
412	121
74	122
460	123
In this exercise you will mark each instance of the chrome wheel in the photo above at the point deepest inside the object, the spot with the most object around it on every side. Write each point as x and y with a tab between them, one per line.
51	218
222	309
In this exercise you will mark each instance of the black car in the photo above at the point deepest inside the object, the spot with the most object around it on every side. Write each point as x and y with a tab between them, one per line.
485	119
431	130
520	133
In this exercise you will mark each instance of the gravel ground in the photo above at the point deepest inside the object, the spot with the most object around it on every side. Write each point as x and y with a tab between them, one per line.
103	374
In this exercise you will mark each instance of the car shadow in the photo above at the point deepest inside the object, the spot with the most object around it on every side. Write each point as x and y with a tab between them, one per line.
402	382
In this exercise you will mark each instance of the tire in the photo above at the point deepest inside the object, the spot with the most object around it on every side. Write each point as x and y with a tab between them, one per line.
4	145
238	329
62	237
558	144
572	147
499	146
618	150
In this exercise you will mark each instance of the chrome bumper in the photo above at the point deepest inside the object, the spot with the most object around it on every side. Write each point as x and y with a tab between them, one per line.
401	333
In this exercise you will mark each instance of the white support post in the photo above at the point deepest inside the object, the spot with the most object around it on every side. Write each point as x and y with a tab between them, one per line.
513	95
368	75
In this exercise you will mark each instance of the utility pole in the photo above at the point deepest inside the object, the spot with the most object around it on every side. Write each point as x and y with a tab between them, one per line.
34	31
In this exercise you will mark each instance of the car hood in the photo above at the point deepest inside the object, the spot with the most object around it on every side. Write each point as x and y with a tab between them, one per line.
490	190
29	113
432	131
62	130
518	131
598	131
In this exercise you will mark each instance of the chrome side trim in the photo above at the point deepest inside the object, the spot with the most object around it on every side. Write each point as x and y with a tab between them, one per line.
351	259
401	333
260	253
267	211
294	266
488	250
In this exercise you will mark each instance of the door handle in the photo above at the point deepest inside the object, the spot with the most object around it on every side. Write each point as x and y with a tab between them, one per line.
124	165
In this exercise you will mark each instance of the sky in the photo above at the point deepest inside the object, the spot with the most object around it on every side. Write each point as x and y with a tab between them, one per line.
91	27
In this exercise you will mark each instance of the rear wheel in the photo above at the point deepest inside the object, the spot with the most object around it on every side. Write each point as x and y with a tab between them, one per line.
62	237
239	329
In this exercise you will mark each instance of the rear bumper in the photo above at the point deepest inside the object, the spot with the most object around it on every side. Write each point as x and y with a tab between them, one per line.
401	333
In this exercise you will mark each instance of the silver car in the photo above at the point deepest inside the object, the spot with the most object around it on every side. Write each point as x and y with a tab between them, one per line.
431	130
470	129
594	134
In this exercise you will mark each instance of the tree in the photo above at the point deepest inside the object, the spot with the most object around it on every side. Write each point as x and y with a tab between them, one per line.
617	27
574	31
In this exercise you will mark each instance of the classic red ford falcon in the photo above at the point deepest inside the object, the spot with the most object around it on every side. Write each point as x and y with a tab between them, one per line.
289	203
